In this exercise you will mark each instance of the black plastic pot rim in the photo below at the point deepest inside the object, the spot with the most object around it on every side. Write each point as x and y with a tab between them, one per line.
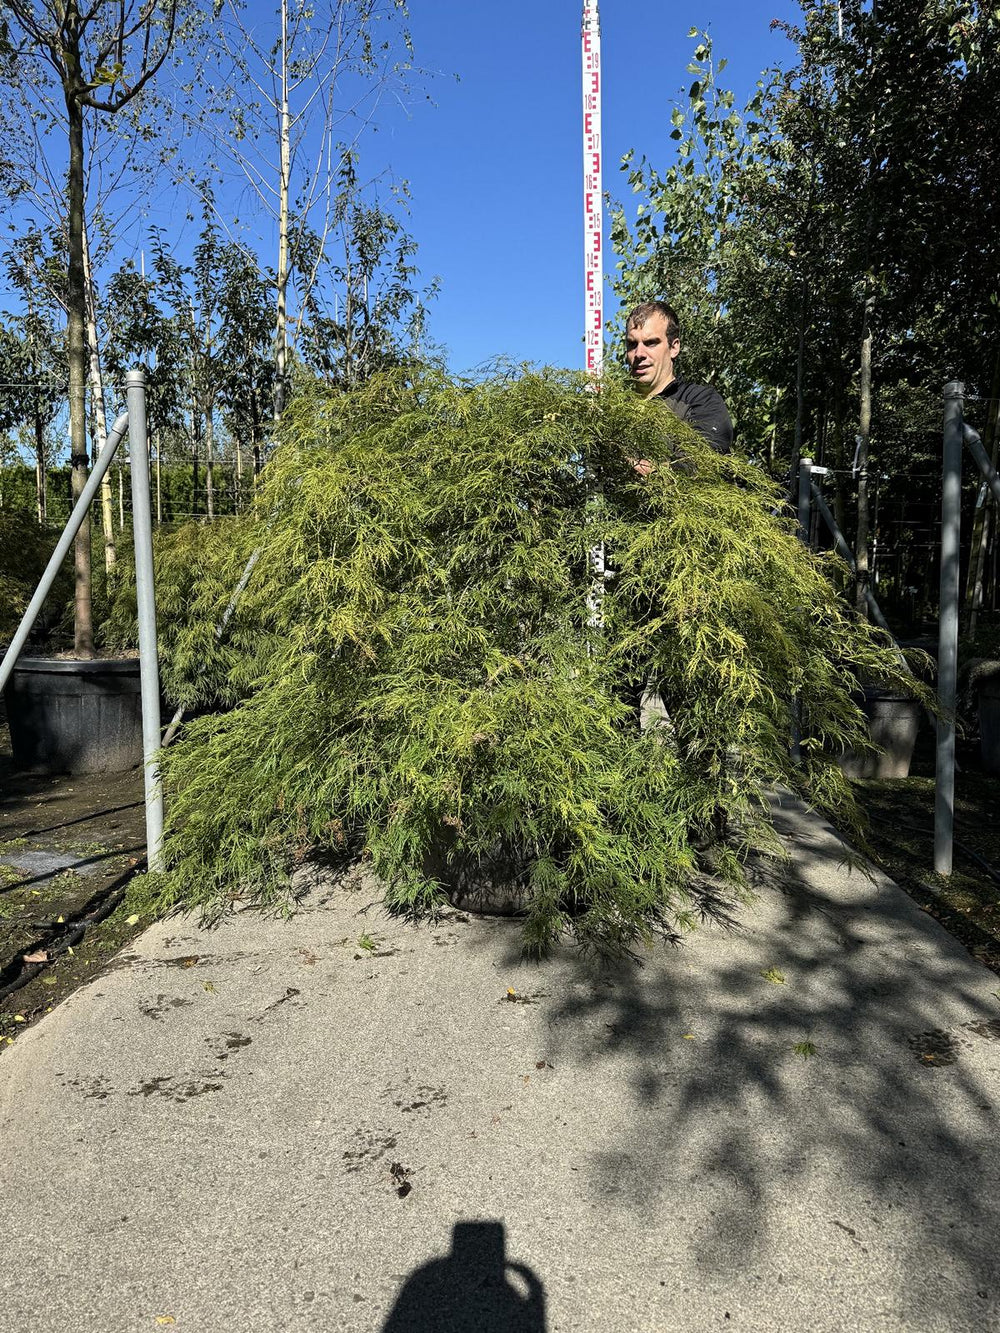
78	666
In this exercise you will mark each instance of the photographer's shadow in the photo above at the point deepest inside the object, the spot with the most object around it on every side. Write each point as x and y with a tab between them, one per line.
474	1289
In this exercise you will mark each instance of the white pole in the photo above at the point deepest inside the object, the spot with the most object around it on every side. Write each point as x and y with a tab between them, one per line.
593	195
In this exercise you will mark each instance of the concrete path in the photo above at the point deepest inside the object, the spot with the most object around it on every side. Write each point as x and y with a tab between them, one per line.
269	1126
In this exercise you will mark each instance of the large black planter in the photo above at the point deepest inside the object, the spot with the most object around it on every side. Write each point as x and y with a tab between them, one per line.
893	721
70	716
989	717
495	884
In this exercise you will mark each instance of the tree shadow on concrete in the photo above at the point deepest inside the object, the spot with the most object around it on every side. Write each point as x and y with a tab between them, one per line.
474	1289
830	1062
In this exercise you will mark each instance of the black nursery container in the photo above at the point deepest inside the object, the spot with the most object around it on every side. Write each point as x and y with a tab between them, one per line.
72	716
893	722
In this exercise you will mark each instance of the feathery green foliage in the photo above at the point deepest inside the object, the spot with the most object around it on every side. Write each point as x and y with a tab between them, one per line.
413	670
25	549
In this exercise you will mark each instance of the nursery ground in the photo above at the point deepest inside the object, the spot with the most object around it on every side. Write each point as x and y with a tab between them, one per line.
66	844
901	810
347	1121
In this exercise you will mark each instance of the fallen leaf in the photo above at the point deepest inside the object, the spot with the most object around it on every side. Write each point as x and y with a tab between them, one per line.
20	1018
39	956
775	977
209	987
165	1319
50	980
132	920
511	993
60	920
689	1036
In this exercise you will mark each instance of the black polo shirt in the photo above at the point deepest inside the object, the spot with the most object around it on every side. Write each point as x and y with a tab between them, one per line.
703	409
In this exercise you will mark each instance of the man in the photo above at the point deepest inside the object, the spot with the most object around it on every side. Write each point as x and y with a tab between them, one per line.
652	343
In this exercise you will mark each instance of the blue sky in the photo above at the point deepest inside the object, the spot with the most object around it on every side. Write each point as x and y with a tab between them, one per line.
495	166
494	158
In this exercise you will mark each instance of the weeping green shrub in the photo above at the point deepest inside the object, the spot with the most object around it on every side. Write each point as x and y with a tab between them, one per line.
25	548
415	673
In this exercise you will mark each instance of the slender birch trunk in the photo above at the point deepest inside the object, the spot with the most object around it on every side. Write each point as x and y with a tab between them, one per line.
209	472
159	492
41	478
284	178
864	431
97	405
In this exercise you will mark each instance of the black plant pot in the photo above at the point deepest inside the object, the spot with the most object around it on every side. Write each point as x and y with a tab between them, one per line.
893	721
494	884
989	719
70	716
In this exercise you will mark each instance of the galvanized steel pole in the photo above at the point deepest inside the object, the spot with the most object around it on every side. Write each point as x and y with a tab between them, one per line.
847	555
149	671
975	447
805	494
951	498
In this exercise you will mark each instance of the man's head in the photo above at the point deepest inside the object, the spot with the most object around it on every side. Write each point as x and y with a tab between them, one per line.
652	341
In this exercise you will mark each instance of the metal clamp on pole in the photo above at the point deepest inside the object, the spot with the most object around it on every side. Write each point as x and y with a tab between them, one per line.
951	499
149	670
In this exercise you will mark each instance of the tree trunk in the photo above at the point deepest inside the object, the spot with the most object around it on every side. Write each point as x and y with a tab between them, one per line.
195	459
255	436
41	478
209	473
97	405
986	511
83	628
39	425
800	372
281	321
864	431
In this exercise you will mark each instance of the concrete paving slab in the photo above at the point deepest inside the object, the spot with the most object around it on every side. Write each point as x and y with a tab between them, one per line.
44	865
267	1125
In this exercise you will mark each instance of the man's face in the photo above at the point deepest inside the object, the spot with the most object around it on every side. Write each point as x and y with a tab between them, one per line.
650	355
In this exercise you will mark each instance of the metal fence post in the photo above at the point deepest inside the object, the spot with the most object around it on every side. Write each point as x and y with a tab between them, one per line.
142	531
951	511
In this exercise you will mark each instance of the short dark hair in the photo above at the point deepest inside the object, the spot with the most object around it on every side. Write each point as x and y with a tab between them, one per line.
641	313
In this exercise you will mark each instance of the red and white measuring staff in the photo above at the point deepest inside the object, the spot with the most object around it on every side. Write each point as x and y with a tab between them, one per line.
593	264
593	257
